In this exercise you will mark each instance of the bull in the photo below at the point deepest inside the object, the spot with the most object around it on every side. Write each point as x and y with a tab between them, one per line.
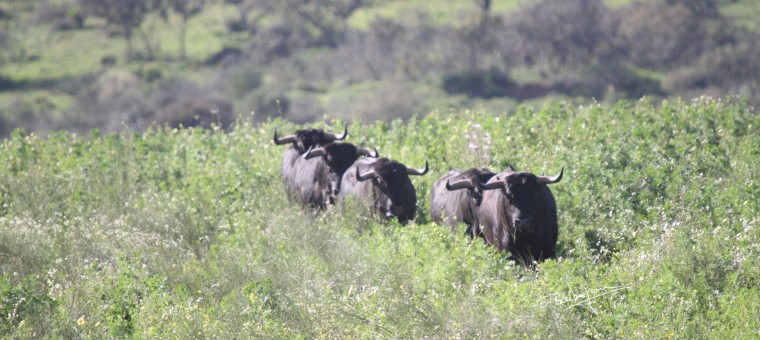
519	214
385	184
321	169
455	198
300	142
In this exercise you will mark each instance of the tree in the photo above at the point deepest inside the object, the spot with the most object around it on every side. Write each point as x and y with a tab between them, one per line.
126	15
479	37
484	5
562	33
186	9
262	7
326	18
701	8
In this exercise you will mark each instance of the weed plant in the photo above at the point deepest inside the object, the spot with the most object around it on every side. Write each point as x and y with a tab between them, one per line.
188	233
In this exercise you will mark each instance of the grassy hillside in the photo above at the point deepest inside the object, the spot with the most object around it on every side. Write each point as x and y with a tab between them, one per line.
187	233
388	59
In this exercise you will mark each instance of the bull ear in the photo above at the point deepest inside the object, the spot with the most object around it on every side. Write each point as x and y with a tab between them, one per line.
367	175
417	172
460	184
366	152
314	152
283	140
551	179
332	136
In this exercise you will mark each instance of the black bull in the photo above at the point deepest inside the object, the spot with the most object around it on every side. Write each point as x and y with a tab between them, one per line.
455	198
519	214
385	184
313	165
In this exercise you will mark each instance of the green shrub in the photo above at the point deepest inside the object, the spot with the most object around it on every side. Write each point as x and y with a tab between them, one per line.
23	304
479	83
187	232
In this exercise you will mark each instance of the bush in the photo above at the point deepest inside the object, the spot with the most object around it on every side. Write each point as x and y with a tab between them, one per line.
181	103
484	84
244	80
188	233
660	35
63	16
609	80
23	306
113	101
731	69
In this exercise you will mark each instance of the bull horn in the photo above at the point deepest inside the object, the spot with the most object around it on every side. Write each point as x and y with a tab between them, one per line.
550	180
417	172
460	184
283	140
497	184
366	152
314	152
367	175
332	136
510	168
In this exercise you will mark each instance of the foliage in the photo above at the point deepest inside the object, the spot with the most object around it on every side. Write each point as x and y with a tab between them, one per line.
186	9
127	16
187	232
374	59
483	84
576	34
22	301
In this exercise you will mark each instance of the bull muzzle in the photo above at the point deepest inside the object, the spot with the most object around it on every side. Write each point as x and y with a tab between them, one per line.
523	224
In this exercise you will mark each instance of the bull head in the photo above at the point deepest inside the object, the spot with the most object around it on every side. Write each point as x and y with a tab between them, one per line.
521	192
393	192
370	174
471	181
501	182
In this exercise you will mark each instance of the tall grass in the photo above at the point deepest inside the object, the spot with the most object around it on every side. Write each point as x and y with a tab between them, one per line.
187	233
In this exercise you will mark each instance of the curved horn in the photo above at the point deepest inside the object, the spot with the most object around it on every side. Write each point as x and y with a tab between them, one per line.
497	184
366	152
460	184
314	152
367	175
283	140
510	168
329	135
550	180
417	172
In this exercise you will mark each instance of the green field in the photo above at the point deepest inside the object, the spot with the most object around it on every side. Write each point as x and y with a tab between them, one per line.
188	234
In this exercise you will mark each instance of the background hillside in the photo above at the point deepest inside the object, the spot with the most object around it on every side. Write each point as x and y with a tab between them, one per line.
186	233
125	65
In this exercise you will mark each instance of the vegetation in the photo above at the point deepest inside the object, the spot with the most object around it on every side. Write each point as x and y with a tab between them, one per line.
187	232
113	65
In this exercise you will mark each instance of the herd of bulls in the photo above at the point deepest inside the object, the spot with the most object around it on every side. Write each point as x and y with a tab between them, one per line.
511	210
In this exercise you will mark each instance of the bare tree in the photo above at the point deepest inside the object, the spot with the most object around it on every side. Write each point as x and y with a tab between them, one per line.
186	9
245	7
126	15
561	33
325	17
484	5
